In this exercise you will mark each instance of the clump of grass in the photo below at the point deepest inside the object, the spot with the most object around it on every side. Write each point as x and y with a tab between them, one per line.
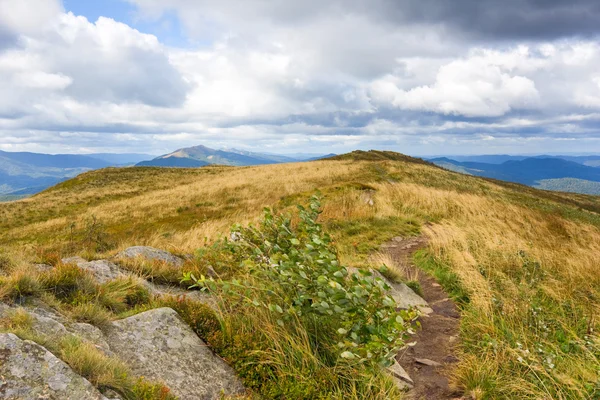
154	270
66	281
281	362
6	263
200	317
86	360
20	322
121	294
20	283
91	313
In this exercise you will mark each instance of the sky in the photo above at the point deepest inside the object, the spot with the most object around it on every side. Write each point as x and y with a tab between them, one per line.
421	77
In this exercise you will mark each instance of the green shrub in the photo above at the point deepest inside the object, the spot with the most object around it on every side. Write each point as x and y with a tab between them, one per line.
295	274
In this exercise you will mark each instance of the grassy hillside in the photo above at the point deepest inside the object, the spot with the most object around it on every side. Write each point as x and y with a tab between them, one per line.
522	262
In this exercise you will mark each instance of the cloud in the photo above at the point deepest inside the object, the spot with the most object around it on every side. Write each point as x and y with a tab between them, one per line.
481	85
407	75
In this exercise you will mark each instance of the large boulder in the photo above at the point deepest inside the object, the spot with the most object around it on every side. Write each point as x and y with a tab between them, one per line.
157	344
150	253
30	372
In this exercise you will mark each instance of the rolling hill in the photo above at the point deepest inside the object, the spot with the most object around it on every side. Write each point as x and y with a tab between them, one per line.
521	263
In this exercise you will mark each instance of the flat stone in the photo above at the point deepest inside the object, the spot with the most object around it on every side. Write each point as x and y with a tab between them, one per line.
396	370
150	253
404	296
43	267
30	372
102	270
428	362
73	260
158	345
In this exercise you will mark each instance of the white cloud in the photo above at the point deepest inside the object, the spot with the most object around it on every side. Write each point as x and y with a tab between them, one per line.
279	72
480	85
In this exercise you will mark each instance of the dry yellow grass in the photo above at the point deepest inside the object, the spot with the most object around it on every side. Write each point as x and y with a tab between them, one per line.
529	260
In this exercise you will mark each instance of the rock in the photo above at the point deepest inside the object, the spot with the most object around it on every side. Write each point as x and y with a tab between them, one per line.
402	380
49	323
158	345
396	370
402	385
405	297
103	270
30	372
73	260
428	362
43	267
150	253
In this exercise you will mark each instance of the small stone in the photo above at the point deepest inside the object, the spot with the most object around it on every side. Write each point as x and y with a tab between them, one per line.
43	267
428	362
396	370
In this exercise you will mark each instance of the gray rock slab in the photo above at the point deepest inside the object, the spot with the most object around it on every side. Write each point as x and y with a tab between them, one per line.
157	344
404	296
30	372
102	270
150	253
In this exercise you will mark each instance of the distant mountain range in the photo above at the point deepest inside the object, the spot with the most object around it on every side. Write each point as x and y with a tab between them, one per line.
199	156
590	161
23	173
564	173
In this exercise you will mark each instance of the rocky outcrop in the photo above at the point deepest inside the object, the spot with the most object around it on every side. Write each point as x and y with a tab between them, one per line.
157	344
150	253
30	372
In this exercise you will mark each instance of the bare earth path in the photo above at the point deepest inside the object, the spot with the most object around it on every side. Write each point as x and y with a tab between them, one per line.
438	333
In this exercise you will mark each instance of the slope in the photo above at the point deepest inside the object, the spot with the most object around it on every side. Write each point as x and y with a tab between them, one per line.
520	262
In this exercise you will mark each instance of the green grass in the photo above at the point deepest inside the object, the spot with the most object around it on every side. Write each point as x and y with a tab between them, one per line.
443	275
357	239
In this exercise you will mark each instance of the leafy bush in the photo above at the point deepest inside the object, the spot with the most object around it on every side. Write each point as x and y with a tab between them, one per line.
294	272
